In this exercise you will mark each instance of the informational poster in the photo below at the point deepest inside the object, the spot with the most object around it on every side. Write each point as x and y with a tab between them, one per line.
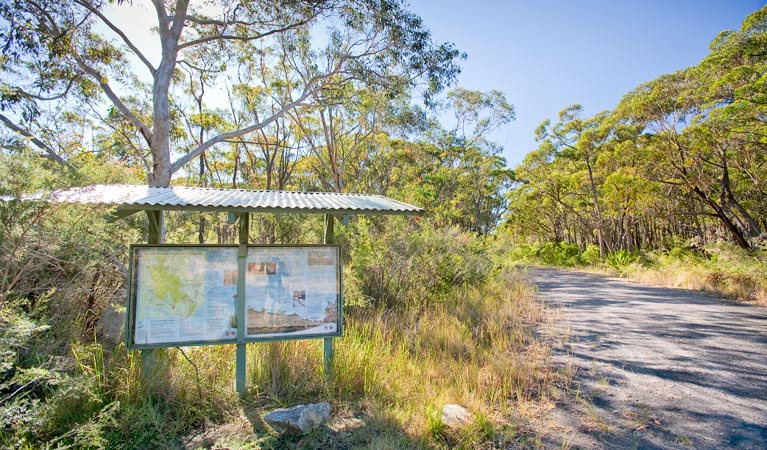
292	290
187	295
184	294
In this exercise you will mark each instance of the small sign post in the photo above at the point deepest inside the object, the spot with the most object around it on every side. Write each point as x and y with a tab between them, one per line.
242	260
327	344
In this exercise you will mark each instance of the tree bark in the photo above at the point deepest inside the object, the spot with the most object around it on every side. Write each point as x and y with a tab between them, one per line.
170	31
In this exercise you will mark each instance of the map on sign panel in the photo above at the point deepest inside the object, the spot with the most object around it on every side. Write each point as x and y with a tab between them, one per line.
185	295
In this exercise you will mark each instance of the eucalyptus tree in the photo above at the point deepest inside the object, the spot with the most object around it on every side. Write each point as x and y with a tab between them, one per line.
581	140
733	85
463	176
72	50
690	147
338	131
682	156
548	202
267	158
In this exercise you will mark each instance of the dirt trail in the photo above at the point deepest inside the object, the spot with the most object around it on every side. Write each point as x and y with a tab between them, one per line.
656	368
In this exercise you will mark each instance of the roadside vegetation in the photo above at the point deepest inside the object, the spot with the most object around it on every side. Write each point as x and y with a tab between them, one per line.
667	188
719	268
433	316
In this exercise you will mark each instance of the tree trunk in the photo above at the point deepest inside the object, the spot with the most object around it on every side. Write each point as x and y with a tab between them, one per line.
170	28
735	232
600	222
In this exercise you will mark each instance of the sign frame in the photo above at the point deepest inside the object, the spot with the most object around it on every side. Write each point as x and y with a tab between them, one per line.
132	297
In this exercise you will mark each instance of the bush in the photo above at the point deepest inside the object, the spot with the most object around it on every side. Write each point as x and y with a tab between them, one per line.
410	263
560	254
621	259
591	255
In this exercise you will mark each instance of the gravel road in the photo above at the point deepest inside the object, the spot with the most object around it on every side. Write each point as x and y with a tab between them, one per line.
656	368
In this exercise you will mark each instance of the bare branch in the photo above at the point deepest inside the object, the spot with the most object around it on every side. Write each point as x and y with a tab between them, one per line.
120	33
309	89
58	96
220	36
219	23
50	153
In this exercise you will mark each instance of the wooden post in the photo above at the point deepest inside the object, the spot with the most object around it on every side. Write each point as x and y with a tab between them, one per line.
327	345
242	255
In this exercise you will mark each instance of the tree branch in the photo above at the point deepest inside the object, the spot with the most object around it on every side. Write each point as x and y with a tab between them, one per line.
50	154
116	101
58	96
309	89
220	36
120	33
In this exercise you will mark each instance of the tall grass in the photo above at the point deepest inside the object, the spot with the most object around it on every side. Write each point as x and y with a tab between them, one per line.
721	268
433	319
476	348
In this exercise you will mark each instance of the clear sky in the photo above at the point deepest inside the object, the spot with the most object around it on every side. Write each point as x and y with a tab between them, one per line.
546	55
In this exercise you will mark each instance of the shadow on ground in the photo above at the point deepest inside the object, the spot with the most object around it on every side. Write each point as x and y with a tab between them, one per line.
656	368
346	429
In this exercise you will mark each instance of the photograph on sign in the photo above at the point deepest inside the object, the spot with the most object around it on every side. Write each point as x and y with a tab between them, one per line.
183	295
292	291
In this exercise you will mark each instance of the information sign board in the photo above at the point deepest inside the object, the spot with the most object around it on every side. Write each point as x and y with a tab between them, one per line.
187	295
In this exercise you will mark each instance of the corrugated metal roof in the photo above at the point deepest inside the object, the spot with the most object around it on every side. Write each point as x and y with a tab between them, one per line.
131	198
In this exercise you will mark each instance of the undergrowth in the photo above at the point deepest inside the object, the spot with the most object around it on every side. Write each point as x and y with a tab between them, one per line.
720	268
432	318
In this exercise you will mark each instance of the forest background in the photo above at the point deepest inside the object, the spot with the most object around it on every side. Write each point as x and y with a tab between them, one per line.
343	96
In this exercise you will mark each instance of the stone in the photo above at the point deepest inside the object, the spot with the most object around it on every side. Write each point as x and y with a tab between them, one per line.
456	416
110	325
299	419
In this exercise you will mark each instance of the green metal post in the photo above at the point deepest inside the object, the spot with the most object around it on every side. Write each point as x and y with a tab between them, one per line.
154	236
242	255
327	345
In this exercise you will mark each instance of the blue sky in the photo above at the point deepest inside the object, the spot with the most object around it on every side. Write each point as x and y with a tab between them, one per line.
547	55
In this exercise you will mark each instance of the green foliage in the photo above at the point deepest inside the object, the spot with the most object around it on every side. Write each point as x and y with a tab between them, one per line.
620	259
681	157
24	382
559	254
411	263
721	268
53	70
591	255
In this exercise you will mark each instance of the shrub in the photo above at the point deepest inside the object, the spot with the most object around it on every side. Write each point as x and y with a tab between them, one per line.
560	254
411	264
621	259
591	255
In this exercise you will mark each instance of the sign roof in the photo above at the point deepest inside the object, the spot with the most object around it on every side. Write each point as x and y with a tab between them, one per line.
132	198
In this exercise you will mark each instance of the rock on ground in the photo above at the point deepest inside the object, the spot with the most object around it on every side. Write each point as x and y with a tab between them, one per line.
299	419
455	415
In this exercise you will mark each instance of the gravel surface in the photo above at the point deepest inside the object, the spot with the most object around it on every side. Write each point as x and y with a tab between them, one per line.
655	367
